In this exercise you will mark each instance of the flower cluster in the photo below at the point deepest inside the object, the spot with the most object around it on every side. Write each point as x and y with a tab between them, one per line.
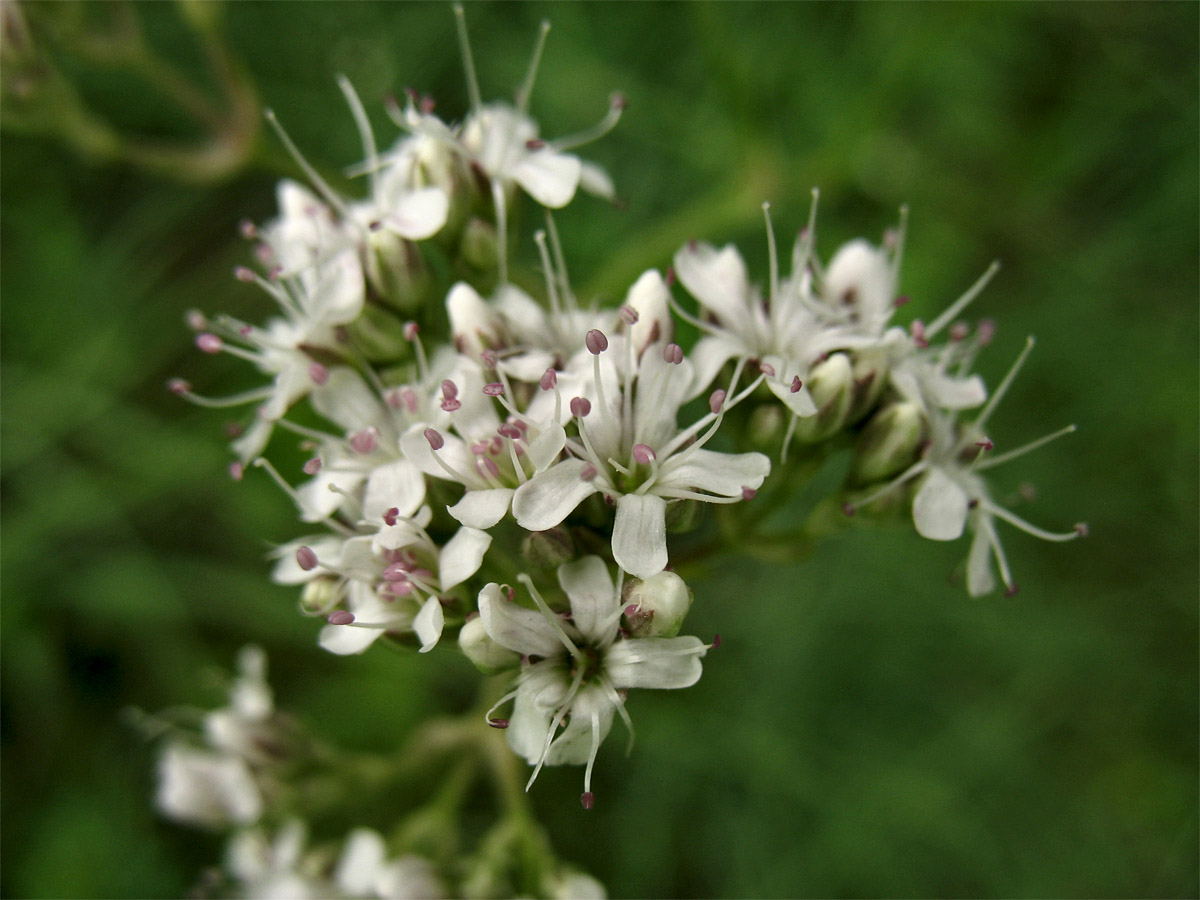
477	434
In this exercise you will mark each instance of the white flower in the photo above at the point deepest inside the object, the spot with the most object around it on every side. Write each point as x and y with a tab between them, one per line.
244	728
579	667
202	787
631	450
952	493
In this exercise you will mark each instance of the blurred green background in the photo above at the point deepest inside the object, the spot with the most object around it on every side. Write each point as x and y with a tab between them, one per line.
866	729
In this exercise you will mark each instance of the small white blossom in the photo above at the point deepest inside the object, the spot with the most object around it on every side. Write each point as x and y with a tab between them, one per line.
578	668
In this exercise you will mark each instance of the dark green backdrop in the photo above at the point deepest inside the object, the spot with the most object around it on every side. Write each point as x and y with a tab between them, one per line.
867	729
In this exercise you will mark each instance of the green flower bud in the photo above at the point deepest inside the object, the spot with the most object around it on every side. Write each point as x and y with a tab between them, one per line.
379	335
683	516
478	248
831	384
889	443
870	378
396	270
488	656
320	595
656	606
548	549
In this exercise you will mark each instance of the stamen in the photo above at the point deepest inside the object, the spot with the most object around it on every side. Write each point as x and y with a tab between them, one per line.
391	516
209	343
716	400
673	354
628	314
1013	519
772	257
317	181
595	341
951	313
341	617
643	454
549	380
1025	448
990	407
363	442
526	88
365	134
549	615
580	407
616	105
749	493
306	558
464	45
495	389
436	441
318	373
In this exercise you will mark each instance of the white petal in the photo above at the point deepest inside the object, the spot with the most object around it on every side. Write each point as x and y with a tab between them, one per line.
462	556
654	662
575	743
419	214
860	273
530	718
544	448
346	640
399	485
360	862
316	499
708	356
593	598
346	400
955	393
333	290
287	571
522	630
940	507
549	177
482	509
723	474
649	298
428	624
717	278
596	181
639	540
979	565
550	496
799	402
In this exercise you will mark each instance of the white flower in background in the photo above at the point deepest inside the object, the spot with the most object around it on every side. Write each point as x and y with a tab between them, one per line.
270	870
952	493
578	667
206	788
245	727
280	869
631	450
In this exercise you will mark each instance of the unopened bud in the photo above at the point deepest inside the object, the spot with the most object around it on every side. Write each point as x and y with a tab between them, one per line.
548	549
378	334
889	443
831	385
656	606
477	646
479	246
319	595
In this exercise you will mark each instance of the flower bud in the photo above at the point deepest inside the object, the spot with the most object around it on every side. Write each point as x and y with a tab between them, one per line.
320	595
475	325
870	378
396	270
889	443
656	606
379	335
479	249
648	298
548	549
488	656
831	384
683	516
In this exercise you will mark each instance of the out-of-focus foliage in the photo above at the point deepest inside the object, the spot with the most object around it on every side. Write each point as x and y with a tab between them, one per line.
864	729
